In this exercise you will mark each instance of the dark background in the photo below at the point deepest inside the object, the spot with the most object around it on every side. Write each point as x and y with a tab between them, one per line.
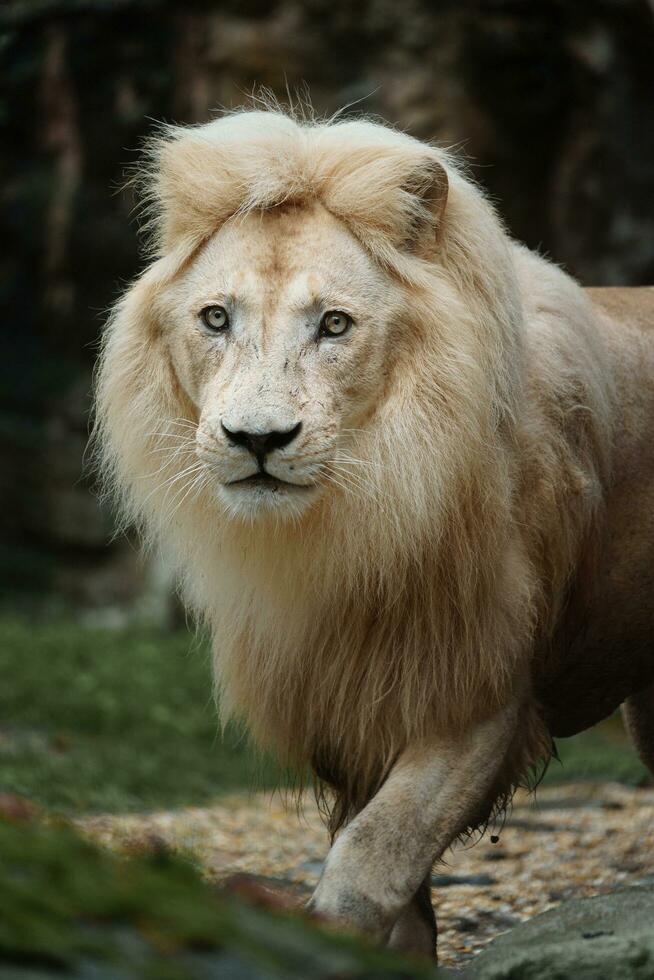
550	101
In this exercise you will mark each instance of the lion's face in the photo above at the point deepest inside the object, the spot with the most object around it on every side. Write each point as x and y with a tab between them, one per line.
280	333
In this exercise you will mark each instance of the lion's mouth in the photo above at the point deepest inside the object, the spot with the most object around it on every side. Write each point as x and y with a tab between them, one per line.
266	481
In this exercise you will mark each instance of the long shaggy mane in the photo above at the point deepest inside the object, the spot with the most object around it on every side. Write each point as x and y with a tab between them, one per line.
409	603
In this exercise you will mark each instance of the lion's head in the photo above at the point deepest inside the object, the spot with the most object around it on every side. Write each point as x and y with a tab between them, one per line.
291	301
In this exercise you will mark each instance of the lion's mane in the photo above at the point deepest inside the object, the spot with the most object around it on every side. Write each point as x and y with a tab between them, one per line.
412	609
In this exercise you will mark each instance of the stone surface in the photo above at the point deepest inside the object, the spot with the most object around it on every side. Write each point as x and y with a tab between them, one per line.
608	937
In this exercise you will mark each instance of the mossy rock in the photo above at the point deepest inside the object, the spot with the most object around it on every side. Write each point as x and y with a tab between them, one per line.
608	937
70	910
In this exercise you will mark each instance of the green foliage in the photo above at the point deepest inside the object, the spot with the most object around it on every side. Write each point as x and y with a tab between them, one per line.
68	909
603	752
96	719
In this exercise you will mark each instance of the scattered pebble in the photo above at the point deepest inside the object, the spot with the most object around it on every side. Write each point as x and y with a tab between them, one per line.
447	881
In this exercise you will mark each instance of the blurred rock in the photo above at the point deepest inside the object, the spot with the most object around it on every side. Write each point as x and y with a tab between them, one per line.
608	937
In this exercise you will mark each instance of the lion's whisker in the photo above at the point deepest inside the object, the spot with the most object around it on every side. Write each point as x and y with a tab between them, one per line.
341	480
194	488
172	480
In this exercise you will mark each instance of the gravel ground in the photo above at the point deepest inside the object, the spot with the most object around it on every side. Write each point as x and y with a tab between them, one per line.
573	840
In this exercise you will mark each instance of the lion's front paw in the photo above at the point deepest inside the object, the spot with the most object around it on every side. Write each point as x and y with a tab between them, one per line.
353	909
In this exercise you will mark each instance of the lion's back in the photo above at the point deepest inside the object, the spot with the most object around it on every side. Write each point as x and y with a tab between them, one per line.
626	305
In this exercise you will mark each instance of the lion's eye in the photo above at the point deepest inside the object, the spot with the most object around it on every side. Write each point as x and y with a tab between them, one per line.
215	318
335	324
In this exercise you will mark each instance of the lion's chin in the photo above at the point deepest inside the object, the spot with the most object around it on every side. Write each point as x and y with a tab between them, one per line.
260	496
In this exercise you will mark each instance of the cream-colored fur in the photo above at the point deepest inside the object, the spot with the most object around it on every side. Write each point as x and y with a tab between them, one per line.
454	454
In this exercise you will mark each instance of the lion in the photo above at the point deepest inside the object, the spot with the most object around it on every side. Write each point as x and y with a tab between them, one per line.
404	468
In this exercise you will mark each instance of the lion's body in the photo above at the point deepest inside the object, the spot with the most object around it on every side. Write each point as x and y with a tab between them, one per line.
489	552
603	647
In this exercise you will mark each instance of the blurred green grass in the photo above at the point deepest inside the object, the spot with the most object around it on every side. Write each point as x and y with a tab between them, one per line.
603	752
98	719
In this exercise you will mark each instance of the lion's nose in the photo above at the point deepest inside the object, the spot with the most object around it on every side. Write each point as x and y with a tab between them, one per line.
261	443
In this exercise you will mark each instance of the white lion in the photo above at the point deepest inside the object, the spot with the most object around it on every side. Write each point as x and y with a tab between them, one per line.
406	469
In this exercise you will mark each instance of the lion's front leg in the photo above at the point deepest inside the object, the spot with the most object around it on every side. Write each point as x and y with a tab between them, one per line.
436	789
415	931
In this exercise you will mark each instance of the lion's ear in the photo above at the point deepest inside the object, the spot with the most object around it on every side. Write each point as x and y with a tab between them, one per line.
199	177
393	197
428	187
192	189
